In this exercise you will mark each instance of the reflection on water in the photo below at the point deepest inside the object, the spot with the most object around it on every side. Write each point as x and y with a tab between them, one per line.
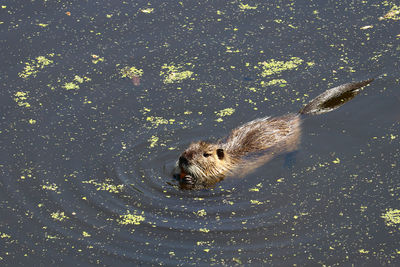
99	99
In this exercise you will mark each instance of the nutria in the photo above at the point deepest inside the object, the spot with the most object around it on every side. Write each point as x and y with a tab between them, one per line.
203	164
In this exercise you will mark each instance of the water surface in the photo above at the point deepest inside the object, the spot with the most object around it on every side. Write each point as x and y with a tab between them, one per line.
99	99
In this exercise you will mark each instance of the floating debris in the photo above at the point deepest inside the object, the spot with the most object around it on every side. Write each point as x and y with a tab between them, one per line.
366	27
147	10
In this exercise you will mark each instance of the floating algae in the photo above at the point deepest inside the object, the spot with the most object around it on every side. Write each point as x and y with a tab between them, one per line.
223	113
153	141
246	7
105	186
130	72
174	73
129	218
280	82
74	85
59	216
20	98
392	217
394	13
34	65
156	121
275	67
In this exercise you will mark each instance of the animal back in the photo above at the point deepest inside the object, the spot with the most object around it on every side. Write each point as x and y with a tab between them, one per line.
264	133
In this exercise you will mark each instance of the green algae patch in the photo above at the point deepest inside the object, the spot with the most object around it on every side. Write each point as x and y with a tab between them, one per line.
175	73
86	234
256	188
74	85
105	186
130	72
27	173
4	235
392	217
278	82
96	59
51	237
230	49
256	202
21	99
363	251
35	65
205	243
200	213
70	86
223	113
59	216
156	121
153	141
128	218
394	13
50	187
244	7
363	208
275	67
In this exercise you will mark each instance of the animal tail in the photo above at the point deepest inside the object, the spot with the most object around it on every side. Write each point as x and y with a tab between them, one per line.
334	98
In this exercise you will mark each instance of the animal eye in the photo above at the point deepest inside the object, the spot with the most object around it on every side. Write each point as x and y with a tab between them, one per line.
206	155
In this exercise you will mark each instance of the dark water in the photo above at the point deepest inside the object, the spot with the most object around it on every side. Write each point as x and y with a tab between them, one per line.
88	143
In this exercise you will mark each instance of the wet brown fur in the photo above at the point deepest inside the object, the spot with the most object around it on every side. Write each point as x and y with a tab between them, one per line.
247	147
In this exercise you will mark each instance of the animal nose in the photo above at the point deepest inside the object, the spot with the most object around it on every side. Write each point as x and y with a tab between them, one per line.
187	155
183	161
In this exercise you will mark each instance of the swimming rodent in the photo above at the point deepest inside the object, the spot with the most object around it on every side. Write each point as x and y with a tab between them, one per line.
248	146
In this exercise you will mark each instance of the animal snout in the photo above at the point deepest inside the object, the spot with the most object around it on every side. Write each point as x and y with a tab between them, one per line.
188	154
183	161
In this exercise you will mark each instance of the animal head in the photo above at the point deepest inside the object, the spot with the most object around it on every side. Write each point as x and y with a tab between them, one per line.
204	162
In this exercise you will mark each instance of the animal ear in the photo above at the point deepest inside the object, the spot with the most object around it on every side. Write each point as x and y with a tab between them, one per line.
220	153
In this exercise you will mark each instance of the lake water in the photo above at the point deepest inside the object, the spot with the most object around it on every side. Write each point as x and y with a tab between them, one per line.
99	98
